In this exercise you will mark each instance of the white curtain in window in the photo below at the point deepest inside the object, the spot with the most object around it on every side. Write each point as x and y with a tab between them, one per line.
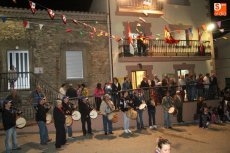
74	65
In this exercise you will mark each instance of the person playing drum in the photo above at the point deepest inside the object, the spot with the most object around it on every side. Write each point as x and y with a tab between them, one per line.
178	103
125	105
41	121
68	110
167	102
9	124
59	123
84	109
106	108
137	101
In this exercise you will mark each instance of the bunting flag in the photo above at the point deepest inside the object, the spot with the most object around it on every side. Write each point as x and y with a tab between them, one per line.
221	30
68	30
32	6
128	34
94	29
64	18
75	21
169	38
218	24
51	13
26	24
41	26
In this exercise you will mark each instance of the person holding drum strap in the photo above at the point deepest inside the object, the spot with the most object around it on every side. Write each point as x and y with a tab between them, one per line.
106	108
59	123
41	121
137	101
125	105
9	124
68	110
167	102
84	109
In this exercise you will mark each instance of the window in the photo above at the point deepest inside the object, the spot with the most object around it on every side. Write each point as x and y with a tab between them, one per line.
74	65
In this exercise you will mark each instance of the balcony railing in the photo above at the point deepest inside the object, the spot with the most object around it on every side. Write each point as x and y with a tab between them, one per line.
156	48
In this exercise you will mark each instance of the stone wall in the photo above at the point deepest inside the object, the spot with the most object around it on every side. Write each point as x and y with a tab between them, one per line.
47	46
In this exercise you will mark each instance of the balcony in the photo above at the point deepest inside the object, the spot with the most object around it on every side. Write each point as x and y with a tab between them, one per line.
152	8
159	50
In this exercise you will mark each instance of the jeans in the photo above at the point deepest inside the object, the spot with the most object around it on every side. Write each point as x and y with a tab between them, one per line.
140	123
11	135
43	132
69	130
126	122
152	113
107	124
167	120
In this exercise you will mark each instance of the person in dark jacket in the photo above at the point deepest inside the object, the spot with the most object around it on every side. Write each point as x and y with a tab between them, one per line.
59	123
116	88
41	121
84	109
9	124
68	109
125	105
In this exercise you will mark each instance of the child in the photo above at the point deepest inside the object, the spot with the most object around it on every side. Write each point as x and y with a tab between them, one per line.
163	146
205	118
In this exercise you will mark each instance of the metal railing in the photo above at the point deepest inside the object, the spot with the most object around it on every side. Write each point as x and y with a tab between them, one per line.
161	48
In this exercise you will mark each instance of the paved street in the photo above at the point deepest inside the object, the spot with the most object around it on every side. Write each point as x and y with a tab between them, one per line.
185	139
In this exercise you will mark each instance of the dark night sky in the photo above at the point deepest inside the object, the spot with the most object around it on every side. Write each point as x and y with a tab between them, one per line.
84	5
72	5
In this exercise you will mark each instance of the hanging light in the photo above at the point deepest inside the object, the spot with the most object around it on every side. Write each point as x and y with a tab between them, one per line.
211	27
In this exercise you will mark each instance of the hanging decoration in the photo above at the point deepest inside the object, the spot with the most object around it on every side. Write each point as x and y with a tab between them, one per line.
32	6
128	34
64	19
41	26
169	38
51	13
26	24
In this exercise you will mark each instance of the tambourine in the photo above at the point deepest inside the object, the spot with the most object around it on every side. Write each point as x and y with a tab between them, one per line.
93	114
76	115
113	117
48	118
142	106
172	110
20	122
132	114
68	120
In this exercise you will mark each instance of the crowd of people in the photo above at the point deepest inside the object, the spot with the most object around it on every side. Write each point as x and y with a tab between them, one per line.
113	97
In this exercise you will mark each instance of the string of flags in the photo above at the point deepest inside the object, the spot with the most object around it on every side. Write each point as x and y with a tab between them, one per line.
93	31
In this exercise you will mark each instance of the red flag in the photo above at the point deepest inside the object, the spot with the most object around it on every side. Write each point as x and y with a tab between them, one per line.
64	19
32	6
128	34
169	38
199	34
51	13
26	24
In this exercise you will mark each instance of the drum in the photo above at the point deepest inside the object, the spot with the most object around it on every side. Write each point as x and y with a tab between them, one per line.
142	106
132	114
48	118
76	115
93	114
172	110
20	122
113	117
68	120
